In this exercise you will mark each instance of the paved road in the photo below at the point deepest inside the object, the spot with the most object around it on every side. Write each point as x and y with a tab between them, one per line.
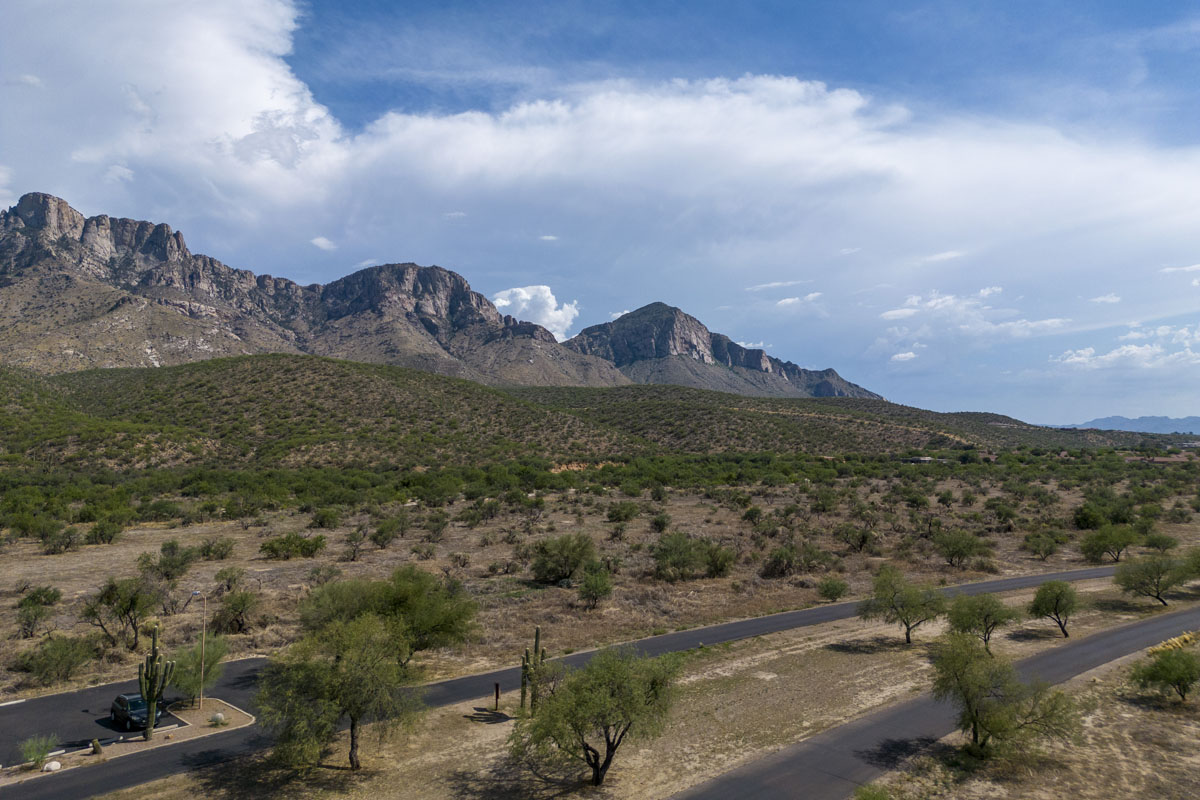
72	716
831	765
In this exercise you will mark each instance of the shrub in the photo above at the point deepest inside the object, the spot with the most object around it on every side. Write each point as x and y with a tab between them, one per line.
35	749
660	522
214	549
832	588
1160	542
292	545
718	560
677	557
623	511
1041	545
228	579
106	531
959	547
596	584
558	558
234	614
326	518
56	658
60	541
1169	670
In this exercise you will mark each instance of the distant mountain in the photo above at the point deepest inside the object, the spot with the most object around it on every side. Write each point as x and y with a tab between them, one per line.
1144	424
661	344
78	293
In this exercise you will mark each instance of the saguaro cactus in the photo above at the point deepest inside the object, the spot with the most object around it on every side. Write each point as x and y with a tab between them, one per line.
531	670
153	676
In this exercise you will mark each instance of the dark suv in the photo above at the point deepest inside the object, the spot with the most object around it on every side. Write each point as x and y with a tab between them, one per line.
129	710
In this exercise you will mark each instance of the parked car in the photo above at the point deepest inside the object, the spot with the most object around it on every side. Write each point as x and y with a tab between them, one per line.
129	711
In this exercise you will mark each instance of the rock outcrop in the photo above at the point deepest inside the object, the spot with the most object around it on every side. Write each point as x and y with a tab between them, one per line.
661	344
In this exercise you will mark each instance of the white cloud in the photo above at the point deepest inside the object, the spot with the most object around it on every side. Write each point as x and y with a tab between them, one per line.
1195	281
908	356
548	238
754	345
323	243
775	285
990	290
846	251
366	262
454	214
1129	356
31	80
1192	268
1106	298
898	313
811	297
948	255
538	304
617	314
118	173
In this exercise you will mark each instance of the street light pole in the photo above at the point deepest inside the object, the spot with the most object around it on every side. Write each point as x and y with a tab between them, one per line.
203	632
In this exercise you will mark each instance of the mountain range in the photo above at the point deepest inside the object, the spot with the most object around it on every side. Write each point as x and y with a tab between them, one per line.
79	293
1143	424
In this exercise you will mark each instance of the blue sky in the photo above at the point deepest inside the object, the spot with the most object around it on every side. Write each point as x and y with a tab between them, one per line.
984	206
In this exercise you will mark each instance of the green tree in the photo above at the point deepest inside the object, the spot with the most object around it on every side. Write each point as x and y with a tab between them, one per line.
187	676
431	613
346	670
832	588
34	608
1150	576
994	706
558	558
677	556
896	600
596	584
958	547
980	616
589	713
1110	540
1169	670
56	658
1055	600
120	608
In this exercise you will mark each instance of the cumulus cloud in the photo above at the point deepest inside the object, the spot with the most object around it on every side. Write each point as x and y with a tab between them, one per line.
617	314
366	262
1106	298
754	345
906	356
118	173
969	316
538	304
1130	356
990	290
548	238
796	301
322	243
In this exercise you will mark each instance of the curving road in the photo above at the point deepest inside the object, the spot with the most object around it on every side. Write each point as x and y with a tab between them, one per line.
831	765
75	717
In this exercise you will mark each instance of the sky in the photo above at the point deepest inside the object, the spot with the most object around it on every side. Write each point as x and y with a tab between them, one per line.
988	206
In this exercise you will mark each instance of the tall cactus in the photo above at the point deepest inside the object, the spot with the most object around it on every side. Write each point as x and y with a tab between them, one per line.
531	670
153	676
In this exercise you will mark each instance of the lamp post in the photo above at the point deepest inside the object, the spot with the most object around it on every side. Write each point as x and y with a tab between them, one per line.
203	631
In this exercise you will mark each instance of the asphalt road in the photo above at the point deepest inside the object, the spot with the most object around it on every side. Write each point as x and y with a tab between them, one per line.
831	765
73	716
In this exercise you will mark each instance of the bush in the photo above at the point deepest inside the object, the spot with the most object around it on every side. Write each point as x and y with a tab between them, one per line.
1169	670
832	588
596	584
677	557
214	549
789	559
1041	545
35	749
106	531
718	560
558	559
959	547
292	545
56	658
660	522
326	518
60	541
623	511
234	614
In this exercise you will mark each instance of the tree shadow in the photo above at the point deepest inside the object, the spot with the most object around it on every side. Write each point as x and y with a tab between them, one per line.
487	716
1121	605
1035	634
874	644
508	780
1153	701
891	753
252	778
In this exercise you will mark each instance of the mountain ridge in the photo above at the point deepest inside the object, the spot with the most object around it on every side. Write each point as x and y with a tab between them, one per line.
82	292
1146	424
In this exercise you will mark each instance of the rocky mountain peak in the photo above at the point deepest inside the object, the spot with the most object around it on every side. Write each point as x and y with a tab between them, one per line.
46	214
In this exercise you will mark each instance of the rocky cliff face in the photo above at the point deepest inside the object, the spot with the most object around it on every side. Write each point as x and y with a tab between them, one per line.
81	292
661	344
78	293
